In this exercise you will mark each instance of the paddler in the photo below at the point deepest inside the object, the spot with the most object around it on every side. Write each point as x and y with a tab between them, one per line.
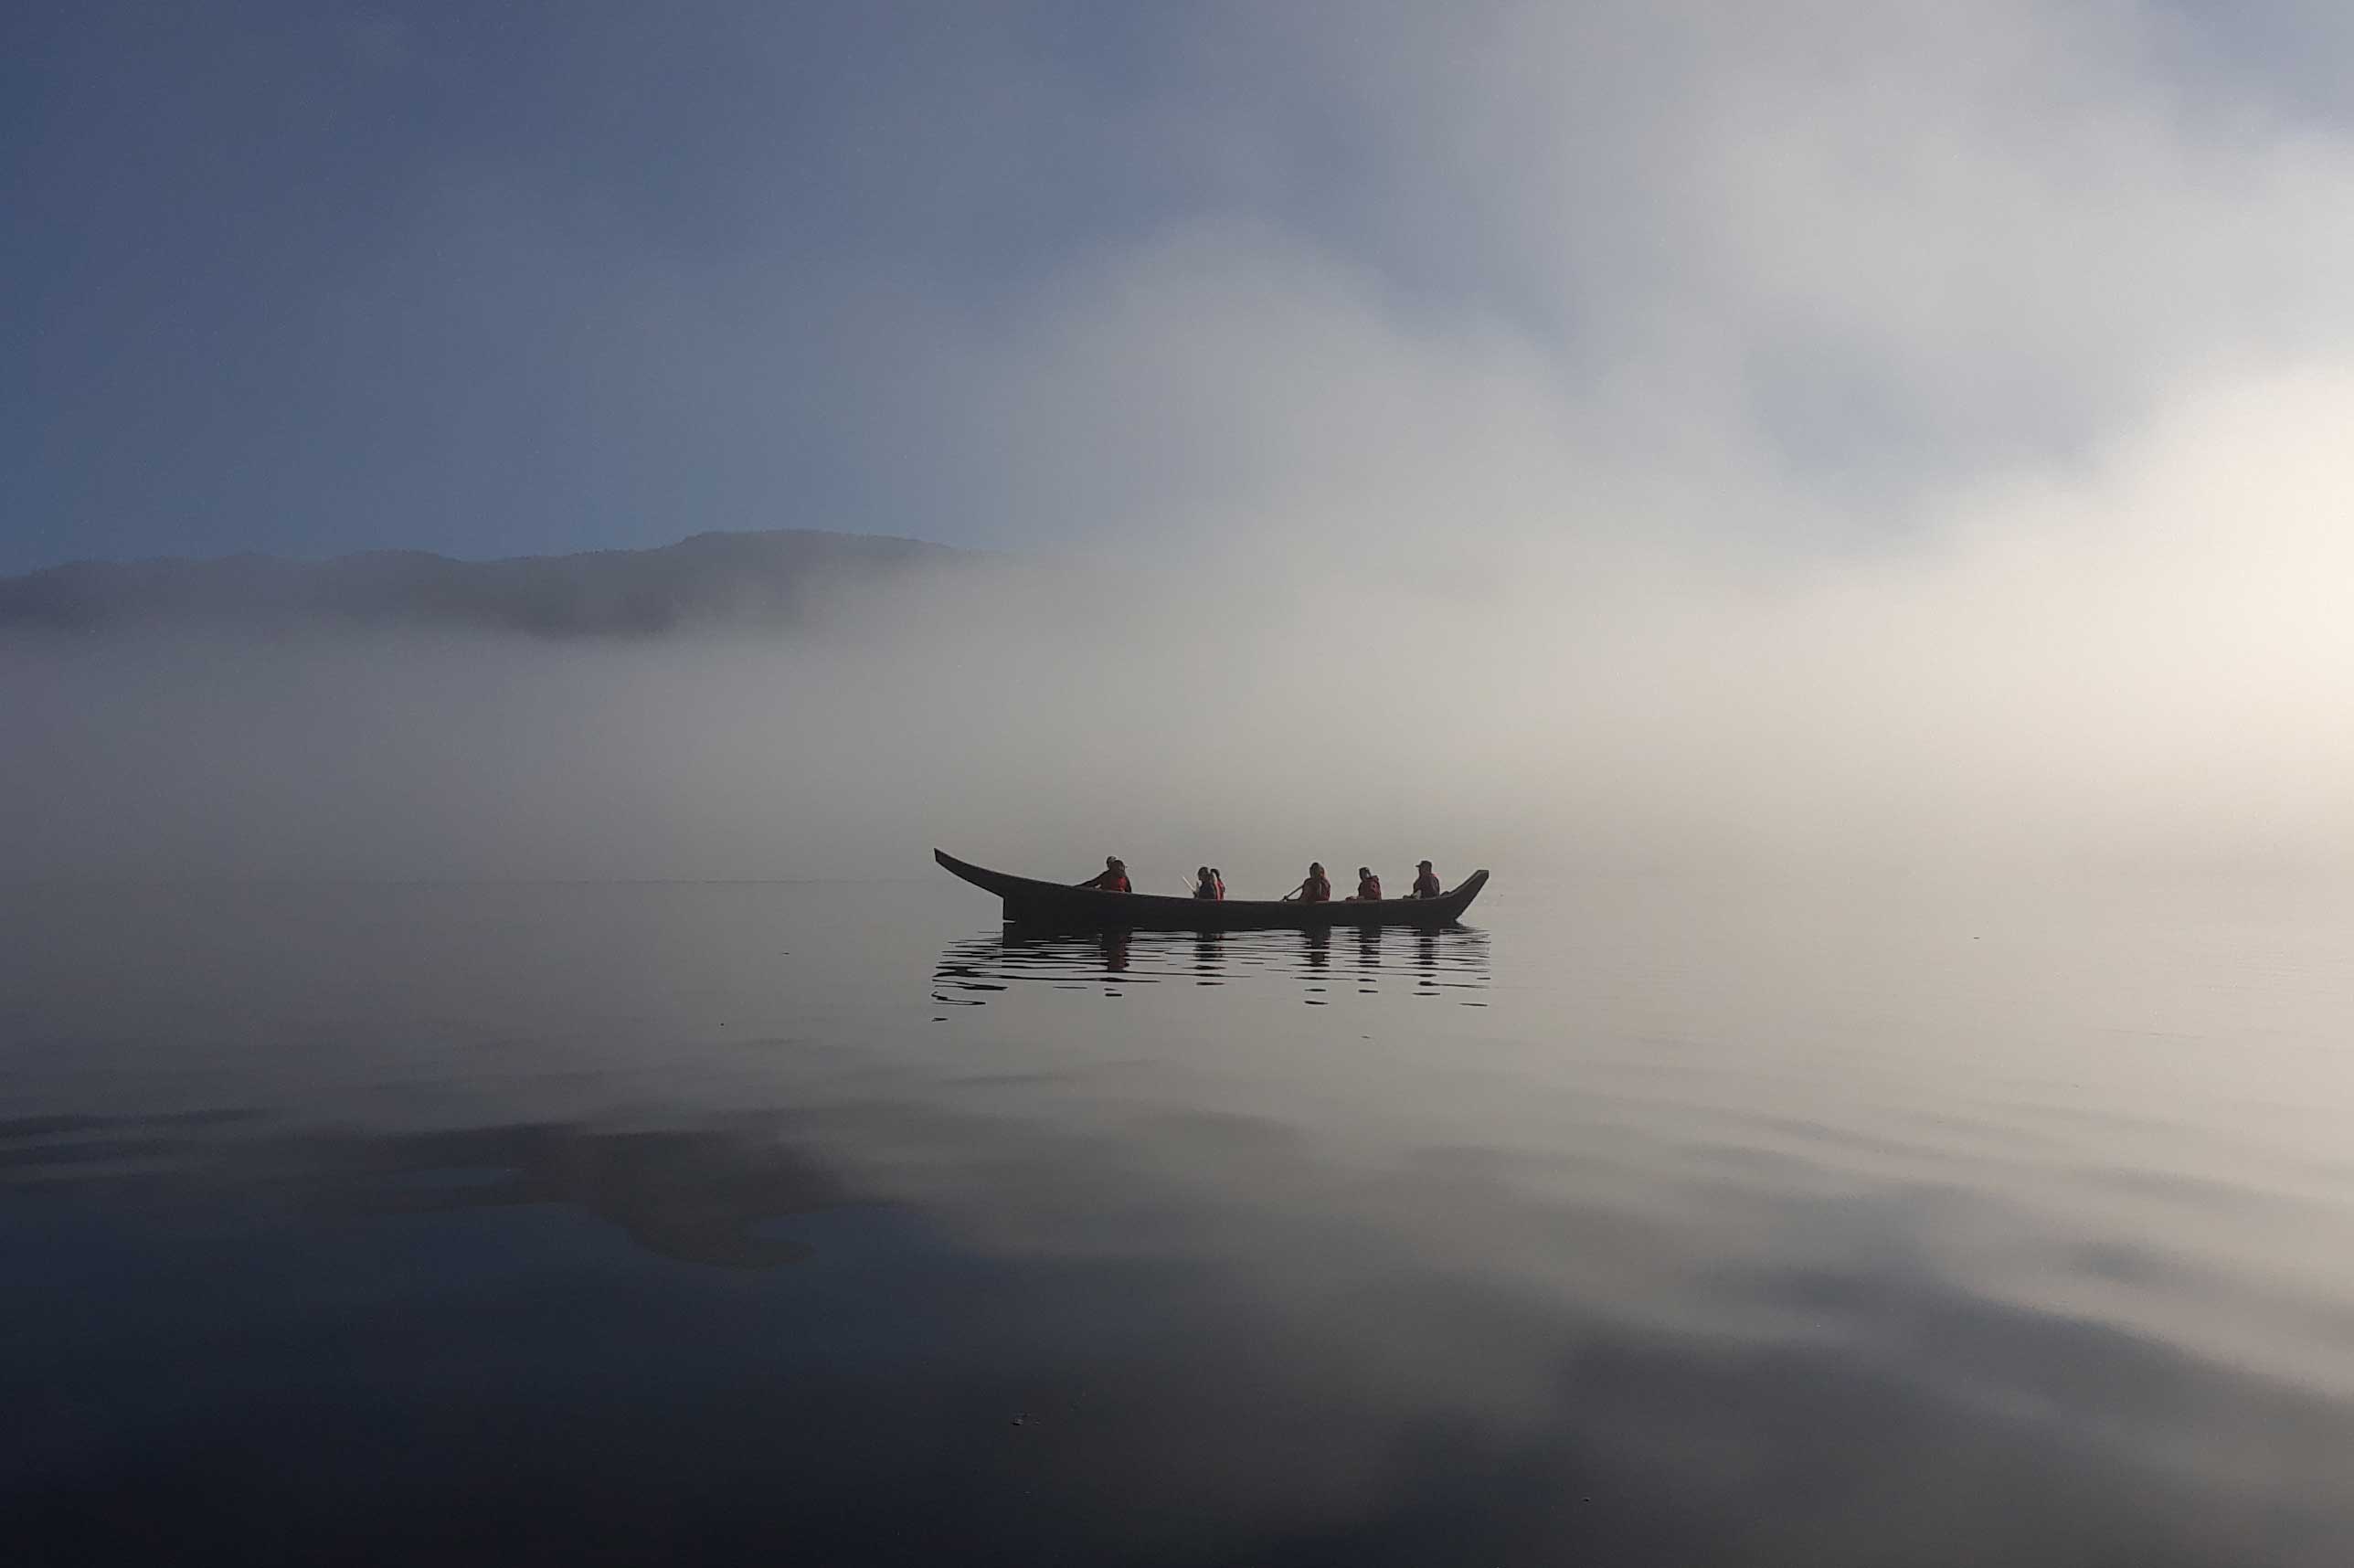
1368	887
1425	885
1315	888
1113	878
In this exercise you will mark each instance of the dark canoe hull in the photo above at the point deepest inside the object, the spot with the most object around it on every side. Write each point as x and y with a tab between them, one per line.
1053	905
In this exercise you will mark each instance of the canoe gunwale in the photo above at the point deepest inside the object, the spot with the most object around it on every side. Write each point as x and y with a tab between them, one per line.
1030	902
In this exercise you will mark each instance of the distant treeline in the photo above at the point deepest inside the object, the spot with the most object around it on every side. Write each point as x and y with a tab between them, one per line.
750	579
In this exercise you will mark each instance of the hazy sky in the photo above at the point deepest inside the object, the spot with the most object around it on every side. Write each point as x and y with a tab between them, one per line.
1619	431
313	276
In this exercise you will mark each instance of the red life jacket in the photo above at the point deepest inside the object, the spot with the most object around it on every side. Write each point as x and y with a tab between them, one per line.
1109	881
1318	891
1368	887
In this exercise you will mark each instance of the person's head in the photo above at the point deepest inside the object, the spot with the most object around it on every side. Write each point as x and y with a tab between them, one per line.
1203	872
1113	862
1363	871
1315	868
1422	865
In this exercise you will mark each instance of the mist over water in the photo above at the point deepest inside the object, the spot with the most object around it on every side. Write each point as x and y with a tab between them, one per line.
2141	668
1926	449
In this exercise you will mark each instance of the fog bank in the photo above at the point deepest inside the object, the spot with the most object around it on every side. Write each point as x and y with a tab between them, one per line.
2137	660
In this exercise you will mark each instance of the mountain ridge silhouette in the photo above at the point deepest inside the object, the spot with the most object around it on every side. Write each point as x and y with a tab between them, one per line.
763	578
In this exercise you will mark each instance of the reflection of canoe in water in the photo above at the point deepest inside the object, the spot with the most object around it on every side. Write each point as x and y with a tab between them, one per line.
1086	908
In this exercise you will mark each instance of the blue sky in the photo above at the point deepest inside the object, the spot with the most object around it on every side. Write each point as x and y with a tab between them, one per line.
308	278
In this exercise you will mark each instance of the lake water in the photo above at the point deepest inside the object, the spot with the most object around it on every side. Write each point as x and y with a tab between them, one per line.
1651	1221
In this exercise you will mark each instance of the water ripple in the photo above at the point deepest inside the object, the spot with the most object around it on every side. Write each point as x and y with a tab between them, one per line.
1449	964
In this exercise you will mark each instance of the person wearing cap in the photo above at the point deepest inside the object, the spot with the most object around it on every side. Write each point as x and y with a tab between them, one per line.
1368	887
1425	885
1113	878
1316	888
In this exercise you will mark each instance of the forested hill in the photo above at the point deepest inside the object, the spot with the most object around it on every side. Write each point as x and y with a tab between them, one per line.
742	580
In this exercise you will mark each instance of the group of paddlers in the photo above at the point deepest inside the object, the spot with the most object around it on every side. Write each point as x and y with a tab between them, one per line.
1315	888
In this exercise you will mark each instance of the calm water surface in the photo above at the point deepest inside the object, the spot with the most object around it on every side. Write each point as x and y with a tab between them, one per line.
1651	1222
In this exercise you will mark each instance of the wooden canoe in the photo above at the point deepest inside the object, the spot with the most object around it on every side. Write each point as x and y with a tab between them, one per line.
1057	905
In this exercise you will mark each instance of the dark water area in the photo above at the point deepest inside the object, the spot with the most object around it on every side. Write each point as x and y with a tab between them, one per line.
1648	1222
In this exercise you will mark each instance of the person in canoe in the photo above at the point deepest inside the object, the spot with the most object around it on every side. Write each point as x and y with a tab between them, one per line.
1113	878
1368	887
1208	885
1316	888
1425	882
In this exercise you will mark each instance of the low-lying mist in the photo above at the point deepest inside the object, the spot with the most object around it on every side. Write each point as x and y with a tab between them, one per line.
2139	661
